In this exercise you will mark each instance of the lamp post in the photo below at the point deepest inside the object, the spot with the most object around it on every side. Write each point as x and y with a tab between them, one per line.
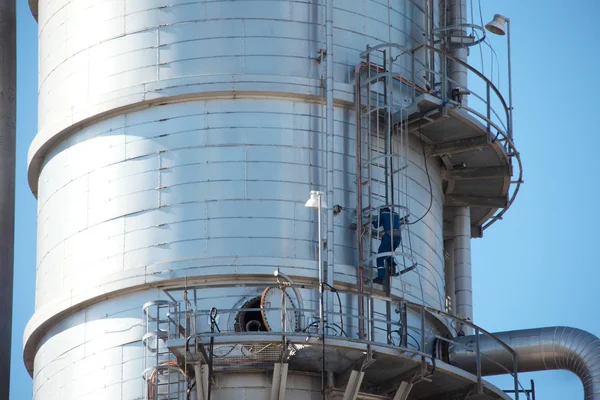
316	201
497	27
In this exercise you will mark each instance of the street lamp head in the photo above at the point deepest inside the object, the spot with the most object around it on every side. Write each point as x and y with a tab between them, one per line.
315	198
496	26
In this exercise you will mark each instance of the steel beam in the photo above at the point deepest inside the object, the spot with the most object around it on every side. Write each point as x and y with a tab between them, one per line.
353	386
403	391
201	376
479	173
457	200
459	146
280	374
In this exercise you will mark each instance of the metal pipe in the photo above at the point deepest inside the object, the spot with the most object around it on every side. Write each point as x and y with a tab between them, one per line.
462	267
320	269
359	224
321	306
7	184
510	99
280	274
330	151
458	17
449	276
538	349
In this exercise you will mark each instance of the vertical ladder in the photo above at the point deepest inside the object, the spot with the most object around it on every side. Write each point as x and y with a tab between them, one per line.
382	167
162	374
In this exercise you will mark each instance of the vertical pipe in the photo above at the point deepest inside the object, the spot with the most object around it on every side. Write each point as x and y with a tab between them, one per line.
462	266
7	184
510	98
449	275
359	224
330	151
458	17
320	269
478	360
516	375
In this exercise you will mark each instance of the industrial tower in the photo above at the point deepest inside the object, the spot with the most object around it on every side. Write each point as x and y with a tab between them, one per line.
208	173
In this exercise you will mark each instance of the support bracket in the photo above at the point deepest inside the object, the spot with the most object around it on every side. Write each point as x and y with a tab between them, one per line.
280	374
403	391
201	376
353	386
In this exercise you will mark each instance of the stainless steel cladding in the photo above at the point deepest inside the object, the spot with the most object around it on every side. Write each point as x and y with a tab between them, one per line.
179	140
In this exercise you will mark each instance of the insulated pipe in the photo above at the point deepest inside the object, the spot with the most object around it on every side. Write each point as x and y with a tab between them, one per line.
329	128
458	72
462	266
449	275
7	184
538	349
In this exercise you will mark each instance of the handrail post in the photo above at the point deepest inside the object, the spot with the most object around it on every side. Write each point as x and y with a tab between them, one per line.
422	328
515	374
414	83
478	360
404	319
488	105
444	78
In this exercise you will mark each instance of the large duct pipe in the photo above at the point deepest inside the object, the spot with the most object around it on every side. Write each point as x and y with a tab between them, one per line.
462	266
537	350
7	184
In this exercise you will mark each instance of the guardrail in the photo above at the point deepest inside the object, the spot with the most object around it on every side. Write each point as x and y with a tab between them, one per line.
501	121
488	105
412	332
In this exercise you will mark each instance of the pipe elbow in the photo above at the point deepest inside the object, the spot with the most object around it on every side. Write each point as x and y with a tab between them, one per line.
538	349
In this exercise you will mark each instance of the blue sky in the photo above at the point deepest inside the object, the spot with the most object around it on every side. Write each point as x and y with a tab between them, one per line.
537	267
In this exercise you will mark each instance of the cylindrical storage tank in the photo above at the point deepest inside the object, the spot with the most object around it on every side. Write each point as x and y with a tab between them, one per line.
179	140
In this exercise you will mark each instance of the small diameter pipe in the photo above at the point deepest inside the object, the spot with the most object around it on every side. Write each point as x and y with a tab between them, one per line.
330	151
359	223
280	274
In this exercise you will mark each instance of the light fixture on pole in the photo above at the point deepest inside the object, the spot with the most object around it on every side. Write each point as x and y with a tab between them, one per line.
316	201
500	25
496	26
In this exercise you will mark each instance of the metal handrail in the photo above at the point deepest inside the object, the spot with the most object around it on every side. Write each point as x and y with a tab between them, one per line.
402	308
506	134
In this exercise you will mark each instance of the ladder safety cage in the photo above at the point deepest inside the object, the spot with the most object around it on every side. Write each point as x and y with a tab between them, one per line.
383	94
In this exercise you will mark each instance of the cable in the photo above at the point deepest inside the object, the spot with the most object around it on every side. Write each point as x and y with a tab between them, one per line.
334	290
213	323
416	341
189	390
428	180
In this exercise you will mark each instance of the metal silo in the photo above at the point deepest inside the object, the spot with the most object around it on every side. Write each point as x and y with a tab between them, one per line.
178	143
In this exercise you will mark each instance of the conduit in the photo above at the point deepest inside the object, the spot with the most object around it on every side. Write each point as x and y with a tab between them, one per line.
330	150
538	349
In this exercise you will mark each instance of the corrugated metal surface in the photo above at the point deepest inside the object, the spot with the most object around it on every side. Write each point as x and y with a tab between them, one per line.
180	139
